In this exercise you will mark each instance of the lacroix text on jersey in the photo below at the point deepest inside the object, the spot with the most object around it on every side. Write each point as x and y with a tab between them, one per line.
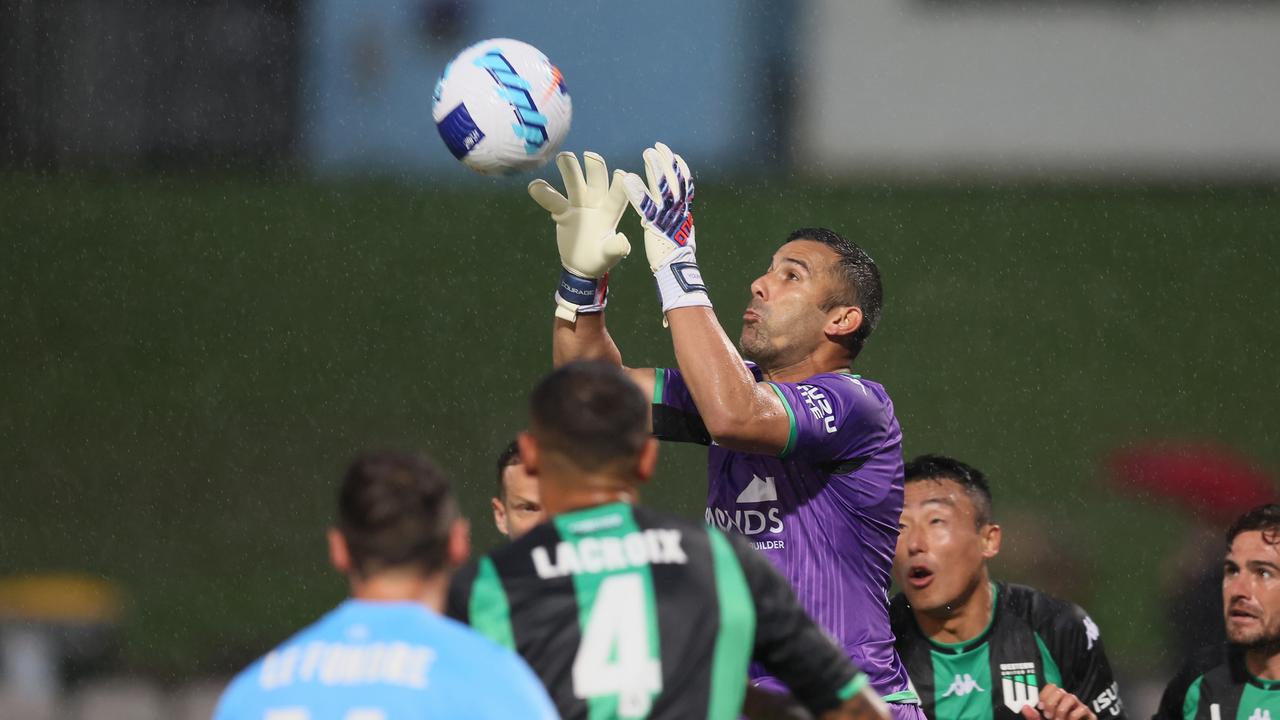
607	554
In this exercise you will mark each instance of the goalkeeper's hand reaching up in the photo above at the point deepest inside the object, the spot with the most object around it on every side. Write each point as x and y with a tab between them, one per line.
586	230
665	206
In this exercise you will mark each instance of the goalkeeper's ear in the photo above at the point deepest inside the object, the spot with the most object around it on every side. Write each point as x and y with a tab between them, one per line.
843	320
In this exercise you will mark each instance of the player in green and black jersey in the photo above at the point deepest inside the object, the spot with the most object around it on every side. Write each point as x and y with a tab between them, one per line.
1240	680
625	612
977	649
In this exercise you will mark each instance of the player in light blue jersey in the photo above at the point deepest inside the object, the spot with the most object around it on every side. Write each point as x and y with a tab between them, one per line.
387	653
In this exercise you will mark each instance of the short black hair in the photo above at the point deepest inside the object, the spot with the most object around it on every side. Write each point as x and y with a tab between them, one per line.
941	467
591	413
1264	517
509	456
858	279
395	510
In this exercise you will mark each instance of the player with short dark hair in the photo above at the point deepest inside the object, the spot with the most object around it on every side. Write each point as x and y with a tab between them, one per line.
387	653
626	612
1241	679
805	457
516	504
978	649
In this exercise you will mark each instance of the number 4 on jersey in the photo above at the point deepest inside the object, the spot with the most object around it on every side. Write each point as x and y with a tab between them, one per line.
614	657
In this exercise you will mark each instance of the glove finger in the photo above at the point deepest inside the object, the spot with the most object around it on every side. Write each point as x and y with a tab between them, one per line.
676	193
653	170
548	197
574	183
616	247
596	185
639	196
667	162
617	198
687	175
597	173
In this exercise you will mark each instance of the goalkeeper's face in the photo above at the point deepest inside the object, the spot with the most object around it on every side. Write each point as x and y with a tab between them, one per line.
785	320
1251	590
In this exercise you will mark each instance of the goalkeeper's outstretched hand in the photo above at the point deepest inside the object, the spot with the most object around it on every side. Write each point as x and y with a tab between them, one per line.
665	206
586	230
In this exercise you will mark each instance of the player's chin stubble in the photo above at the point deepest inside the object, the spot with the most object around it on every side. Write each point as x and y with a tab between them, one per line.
754	345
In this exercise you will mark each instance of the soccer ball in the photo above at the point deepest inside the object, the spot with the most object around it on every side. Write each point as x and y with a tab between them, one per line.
502	107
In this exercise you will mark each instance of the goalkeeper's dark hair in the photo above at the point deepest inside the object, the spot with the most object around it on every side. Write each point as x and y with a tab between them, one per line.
858	283
395	510
509	456
591	413
1264	518
941	467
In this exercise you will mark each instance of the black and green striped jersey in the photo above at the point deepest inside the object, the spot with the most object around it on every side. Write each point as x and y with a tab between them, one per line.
1217	685
1032	639
625	612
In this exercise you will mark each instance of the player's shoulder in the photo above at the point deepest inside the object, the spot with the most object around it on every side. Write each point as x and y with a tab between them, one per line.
238	693
245	688
650	518
1221	665
1221	659
854	392
1050	617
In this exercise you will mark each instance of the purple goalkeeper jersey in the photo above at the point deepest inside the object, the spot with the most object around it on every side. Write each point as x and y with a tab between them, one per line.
825	511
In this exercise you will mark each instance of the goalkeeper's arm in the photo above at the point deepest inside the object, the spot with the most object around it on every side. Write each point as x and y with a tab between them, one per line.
586	219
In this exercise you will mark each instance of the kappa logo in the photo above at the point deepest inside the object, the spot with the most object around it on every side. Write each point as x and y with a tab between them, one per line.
1091	632
962	685
1260	714
1019	685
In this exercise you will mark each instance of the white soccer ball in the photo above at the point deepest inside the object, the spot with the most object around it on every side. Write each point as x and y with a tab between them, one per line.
502	107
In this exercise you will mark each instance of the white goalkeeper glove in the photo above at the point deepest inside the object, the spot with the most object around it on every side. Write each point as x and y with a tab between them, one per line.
586	231
664	207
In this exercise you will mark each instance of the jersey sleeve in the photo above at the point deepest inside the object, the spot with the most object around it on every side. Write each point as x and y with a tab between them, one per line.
836	418
789	643
675	416
1076	645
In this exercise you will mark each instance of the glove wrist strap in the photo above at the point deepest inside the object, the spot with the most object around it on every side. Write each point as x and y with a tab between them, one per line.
580	295
680	282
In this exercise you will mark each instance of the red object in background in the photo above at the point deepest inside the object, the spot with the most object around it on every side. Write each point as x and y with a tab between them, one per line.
1206	478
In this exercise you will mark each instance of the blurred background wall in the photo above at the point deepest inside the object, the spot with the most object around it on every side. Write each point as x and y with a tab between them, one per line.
232	247
1170	90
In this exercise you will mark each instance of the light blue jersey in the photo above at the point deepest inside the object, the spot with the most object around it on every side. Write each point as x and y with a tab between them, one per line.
385	661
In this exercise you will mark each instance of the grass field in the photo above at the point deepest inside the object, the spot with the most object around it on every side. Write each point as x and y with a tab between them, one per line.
188	363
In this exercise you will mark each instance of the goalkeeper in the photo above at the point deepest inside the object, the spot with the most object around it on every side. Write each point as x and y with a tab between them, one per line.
805	457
